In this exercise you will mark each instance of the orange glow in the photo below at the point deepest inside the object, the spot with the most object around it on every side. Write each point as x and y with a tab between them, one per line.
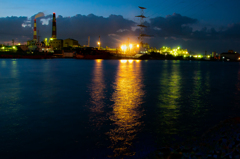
137	61
99	60
130	61
123	61
97	88
127	112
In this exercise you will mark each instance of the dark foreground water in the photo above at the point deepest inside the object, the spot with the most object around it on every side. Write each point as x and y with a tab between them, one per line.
71	109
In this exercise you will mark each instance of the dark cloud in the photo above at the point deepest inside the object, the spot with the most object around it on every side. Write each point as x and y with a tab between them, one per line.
172	25
172	29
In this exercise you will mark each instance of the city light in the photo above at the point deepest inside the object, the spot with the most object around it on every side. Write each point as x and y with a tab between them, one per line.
130	46
130	61
123	61
124	47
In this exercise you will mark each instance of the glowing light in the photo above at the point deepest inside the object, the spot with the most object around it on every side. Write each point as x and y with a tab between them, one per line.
14	47
178	47
123	61
99	60
19	43
137	45
51	38
139	60
130	61
130	46
98	43
124	47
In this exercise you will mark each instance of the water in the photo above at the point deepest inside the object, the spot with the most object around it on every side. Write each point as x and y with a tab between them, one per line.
68	108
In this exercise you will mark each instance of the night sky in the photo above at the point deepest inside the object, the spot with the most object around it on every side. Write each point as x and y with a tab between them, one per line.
200	25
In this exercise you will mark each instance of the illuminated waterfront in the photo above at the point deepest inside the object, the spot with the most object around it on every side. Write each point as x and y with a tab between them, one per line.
68	108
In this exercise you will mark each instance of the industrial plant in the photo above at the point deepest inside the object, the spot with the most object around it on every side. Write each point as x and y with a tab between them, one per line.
70	48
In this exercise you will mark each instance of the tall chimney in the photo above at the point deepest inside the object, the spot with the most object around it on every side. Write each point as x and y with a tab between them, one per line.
54	27
35	31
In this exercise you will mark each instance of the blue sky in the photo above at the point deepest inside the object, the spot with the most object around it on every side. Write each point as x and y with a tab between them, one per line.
213	12
194	24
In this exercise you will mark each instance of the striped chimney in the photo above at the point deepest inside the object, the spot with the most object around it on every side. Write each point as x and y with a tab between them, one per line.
54	27
35	31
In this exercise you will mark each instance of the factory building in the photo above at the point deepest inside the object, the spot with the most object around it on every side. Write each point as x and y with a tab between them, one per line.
56	44
230	55
70	43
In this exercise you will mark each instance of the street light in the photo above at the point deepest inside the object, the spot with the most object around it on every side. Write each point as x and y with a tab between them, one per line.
99	44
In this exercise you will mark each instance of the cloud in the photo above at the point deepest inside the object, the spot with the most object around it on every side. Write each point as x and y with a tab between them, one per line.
115	29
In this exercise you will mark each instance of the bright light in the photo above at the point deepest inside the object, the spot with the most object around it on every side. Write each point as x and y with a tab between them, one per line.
99	60
98	43
14	47
137	45
130	61
124	47
51	38
239	58
139	60
199	56
178	47
208	56
3	47
130	46
19	43
123	61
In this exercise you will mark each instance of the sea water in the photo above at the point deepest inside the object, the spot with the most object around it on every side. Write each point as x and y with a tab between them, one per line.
70	108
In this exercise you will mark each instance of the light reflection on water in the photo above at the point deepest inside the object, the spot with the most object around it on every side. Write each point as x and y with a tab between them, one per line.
169	95
97	94
126	113
45	101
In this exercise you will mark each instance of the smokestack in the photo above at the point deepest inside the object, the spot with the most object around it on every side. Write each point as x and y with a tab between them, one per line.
88	41
35	31
54	27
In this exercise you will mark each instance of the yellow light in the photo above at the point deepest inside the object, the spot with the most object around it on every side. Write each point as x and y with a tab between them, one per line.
208	56
98	43
123	61
124	47
130	45
3	47
130	61
99	60
199	56
14	47
139	61
178	47
137	45
19	43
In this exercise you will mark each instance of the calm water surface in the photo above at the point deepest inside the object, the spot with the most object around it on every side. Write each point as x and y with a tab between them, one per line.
68	108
